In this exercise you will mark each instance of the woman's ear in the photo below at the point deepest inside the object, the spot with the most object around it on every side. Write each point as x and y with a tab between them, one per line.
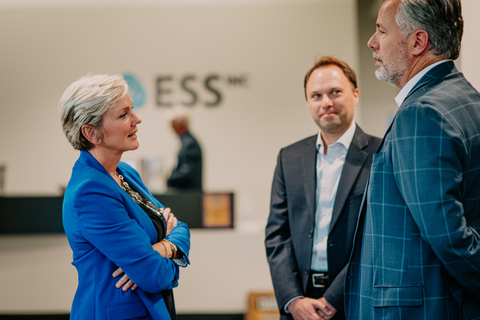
89	133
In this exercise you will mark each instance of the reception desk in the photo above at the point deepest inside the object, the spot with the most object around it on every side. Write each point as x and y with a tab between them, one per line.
25	215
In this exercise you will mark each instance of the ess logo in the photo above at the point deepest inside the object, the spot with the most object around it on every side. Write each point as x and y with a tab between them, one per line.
195	90
188	90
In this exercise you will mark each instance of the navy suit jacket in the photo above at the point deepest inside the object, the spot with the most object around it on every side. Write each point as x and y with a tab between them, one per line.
420	254
188	173
106	229
290	227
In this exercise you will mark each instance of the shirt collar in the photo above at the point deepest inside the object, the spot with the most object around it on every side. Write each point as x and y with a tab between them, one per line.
345	139
402	95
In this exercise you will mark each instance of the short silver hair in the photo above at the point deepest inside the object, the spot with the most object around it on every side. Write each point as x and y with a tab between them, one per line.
85	102
441	19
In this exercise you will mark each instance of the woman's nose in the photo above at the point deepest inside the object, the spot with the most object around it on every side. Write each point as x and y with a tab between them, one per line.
136	119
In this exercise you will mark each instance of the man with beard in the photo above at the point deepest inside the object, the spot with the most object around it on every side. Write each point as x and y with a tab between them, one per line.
420	253
316	194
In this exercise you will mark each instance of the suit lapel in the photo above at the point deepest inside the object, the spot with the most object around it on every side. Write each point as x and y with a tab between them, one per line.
353	164
309	154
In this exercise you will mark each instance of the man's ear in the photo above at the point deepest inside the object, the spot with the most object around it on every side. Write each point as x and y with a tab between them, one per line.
420	42
89	133
356	95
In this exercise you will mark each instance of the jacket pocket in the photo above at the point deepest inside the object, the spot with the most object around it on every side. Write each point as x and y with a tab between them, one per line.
408	296
134	310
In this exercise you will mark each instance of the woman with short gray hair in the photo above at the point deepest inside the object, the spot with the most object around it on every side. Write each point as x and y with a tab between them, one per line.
114	226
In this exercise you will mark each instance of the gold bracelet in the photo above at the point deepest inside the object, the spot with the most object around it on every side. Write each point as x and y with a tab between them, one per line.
163	245
173	247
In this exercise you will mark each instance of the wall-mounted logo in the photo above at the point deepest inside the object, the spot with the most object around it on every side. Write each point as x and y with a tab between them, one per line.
191	90
135	90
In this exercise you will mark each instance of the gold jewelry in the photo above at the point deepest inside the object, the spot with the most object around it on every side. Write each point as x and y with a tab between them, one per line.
173	247
163	245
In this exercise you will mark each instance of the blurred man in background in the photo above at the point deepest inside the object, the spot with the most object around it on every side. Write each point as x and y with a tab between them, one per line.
188	172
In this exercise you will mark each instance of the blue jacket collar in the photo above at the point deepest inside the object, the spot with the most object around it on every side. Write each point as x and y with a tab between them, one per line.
86	158
436	73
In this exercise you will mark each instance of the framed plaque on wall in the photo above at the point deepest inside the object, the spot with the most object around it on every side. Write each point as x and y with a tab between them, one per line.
217	210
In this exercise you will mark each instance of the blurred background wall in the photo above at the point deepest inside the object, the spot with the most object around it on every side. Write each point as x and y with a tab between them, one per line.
243	60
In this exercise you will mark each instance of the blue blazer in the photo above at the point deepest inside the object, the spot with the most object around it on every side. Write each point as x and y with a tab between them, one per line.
106	229
420	256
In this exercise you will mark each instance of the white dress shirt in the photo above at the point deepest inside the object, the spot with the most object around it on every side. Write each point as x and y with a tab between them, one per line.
329	170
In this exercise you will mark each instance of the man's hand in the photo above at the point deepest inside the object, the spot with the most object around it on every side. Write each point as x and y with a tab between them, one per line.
311	309
327	311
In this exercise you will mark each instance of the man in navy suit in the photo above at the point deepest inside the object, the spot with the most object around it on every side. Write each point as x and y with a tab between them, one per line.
316	195
420	253
187	175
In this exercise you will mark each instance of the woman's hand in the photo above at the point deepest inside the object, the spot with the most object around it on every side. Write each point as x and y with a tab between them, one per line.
124	281
170	219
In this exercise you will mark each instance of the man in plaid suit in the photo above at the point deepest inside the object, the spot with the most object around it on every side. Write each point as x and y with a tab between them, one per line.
420	222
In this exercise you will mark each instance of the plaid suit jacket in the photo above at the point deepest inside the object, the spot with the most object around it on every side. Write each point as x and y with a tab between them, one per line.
420	223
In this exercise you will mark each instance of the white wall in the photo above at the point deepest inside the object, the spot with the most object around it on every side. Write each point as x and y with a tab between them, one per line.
272	43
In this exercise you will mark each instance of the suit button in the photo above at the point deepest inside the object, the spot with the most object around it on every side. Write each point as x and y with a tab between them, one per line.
310	234
306	271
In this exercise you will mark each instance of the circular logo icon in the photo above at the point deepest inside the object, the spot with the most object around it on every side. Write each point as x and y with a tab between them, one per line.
135	90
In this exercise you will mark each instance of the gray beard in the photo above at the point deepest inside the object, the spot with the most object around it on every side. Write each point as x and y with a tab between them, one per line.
391	74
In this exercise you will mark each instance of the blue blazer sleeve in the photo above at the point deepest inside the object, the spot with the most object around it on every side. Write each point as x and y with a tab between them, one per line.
180	235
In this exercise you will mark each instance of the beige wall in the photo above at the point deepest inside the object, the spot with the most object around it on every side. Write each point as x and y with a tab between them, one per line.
376	97
45	49
272	43
470	56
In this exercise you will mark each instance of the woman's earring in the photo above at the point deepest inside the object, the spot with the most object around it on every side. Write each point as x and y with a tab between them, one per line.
98	141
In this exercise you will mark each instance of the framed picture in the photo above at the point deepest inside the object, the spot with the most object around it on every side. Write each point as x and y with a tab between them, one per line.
262	306
217	210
